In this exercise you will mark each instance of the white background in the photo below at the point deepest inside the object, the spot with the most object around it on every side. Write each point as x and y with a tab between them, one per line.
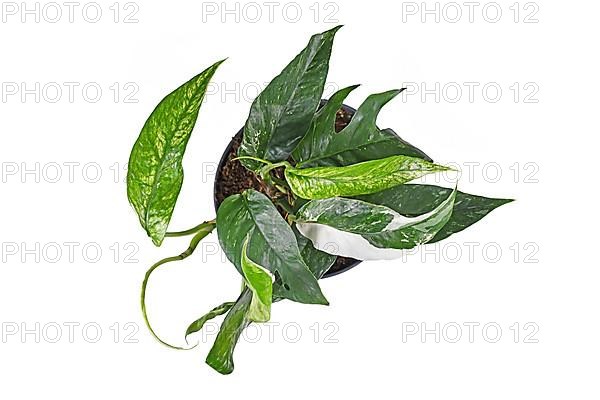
543	145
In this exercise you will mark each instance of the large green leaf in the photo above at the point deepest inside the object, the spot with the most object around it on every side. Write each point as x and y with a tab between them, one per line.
414	234
414	200
155	171
360	141
351	215
220	356
272	245
381	226
259	281
281	114
362	178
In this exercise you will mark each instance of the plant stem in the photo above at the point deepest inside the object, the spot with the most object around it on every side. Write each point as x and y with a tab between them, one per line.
203	231
285	205
253	158
189	231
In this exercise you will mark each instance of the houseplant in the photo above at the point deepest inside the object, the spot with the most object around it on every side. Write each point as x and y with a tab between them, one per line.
322	182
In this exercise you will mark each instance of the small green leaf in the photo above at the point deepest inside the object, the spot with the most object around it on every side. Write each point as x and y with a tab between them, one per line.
215	312
362	178
272	245
317	261
322	127
259	281
281	114
220	356
414	200
360	141
155	172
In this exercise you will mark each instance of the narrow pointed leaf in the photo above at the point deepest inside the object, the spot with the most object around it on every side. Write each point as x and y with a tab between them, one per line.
322	126
281	114
155	172
259	281
220	356
360	141
362	178
272	245
197	325
413	200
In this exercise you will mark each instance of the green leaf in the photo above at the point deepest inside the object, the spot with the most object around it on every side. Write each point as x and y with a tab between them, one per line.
281	114
215	312
322	126
272	245
413	200
261	284
414	234
360	141
317	261
362	178
351	215
380	225
155	172
380	233
220	356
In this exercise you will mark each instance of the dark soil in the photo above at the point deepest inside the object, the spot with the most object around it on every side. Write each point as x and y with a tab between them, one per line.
232	178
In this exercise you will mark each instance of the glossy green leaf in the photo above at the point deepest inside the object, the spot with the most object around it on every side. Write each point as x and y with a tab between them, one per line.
319	262
351	215
414	234
413	200
197	325
220	356
281	114
357	238
259	280
272	245
155	172
380	225
360	141
322	126
362	178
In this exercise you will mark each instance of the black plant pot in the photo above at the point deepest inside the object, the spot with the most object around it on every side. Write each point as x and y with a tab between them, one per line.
342	264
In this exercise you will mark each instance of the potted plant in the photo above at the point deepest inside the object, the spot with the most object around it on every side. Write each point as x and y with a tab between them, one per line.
306	186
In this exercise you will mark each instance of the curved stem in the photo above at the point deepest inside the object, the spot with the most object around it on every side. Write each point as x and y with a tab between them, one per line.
252	158
188	231
203	231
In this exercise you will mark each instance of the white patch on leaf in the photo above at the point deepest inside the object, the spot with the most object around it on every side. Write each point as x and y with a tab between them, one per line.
345	244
